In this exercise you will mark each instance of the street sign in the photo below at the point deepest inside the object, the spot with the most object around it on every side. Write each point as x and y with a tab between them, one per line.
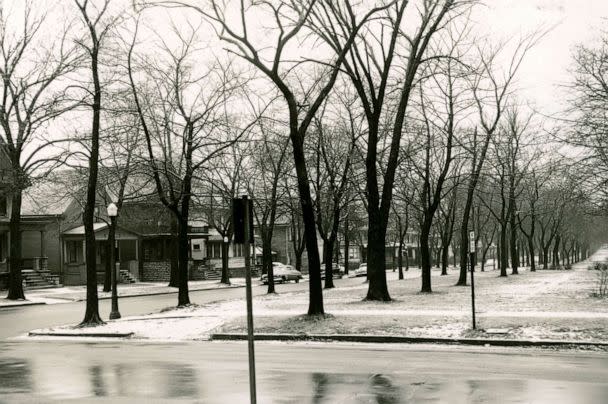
472	242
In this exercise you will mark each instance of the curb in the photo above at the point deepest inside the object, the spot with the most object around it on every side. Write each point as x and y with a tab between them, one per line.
385	339
8	306
91	334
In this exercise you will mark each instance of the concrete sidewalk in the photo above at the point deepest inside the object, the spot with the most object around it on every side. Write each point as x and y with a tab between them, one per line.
68	294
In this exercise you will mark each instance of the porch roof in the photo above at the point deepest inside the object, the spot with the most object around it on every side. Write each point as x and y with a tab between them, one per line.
79	231
101	232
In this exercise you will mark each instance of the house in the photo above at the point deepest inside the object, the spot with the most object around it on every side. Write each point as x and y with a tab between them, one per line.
40	232
53	239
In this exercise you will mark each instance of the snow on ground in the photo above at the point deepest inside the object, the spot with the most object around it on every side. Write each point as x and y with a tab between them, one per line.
545	304
78	293
533	305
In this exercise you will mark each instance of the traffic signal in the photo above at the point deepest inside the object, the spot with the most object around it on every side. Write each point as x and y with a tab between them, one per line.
239	206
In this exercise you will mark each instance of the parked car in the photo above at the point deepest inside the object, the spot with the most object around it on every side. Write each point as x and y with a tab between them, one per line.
337	270
283	273
361	271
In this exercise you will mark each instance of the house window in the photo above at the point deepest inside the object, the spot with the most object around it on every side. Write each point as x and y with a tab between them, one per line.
3	207
214	250
73	248
154	250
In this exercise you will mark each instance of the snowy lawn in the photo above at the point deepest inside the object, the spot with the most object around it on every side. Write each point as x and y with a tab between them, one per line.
533	305
542	305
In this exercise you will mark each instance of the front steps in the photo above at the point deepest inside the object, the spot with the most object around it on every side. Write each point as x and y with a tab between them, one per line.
33	279
126	276
212	274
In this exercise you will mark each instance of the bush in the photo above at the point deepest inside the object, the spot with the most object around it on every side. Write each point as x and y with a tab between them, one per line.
602	282
598	266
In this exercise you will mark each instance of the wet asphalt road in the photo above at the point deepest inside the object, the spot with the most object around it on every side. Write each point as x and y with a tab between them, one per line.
19	320
213	372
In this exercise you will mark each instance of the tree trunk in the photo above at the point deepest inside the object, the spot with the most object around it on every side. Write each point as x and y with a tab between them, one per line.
173	254
328	247
556	252
15	280
298	259
315	304
545	257
513	245
225	253
425	256
444	260
531	252
183	298
464	229
267	261
400	259
503	250
484	254
91	316
346	245
376	265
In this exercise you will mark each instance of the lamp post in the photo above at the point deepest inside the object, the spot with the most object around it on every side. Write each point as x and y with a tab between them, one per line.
112	214
225	260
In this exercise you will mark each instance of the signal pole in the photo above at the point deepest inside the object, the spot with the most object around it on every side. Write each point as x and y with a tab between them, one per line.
246	246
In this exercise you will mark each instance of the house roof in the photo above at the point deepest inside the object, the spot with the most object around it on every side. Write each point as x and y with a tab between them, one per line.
44	198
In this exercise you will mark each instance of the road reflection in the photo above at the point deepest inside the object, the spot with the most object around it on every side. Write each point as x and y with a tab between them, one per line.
15	376
113	379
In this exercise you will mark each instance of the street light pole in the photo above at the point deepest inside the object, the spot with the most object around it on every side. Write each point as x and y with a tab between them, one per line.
113	213
472	262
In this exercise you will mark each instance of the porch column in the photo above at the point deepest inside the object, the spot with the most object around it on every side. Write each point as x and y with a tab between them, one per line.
42	243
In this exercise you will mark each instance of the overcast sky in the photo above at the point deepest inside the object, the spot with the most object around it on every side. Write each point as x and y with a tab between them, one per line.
546	66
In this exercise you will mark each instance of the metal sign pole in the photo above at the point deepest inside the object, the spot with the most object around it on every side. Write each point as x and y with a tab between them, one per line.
472	260
246	246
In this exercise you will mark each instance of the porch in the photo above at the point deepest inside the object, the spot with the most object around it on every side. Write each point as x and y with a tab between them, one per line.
126	253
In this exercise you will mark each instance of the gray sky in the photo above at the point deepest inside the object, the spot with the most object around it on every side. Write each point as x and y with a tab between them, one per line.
546	66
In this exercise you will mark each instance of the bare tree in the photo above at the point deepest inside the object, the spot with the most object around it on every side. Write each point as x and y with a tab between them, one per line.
444	106
98	21
120	169
200	125
586	117
375	73
33	94
491	88
289	20
334	148
226	179
269	155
